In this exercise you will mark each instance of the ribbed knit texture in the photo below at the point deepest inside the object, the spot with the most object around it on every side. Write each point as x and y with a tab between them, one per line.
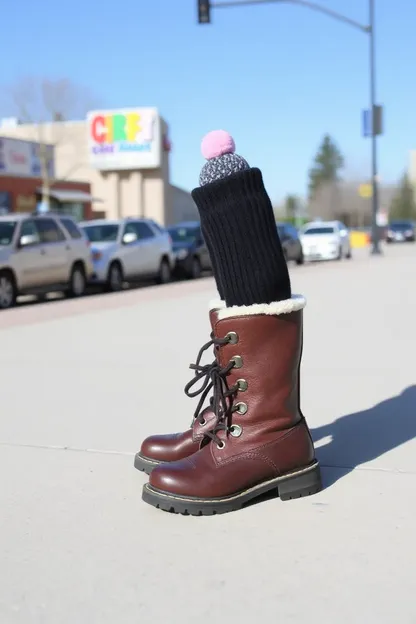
238	222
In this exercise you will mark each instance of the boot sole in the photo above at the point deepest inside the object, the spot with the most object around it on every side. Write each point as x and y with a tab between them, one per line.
304	482
144	464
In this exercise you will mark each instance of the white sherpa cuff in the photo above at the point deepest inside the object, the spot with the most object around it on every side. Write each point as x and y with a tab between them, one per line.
294	304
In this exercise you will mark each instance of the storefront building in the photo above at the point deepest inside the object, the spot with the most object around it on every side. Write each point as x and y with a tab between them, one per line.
124	156
21	183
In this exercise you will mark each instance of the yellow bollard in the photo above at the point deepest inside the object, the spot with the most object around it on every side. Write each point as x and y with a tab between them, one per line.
359	239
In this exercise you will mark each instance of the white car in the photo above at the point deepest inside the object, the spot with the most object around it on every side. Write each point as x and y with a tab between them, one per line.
325	240
128	250
41	254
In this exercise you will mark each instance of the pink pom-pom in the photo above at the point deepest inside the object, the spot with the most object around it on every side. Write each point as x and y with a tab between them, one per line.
217	143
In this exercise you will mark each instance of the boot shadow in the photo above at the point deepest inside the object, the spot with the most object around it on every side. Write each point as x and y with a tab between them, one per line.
363	436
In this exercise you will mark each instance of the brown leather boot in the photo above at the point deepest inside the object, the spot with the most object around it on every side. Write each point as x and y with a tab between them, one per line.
261	441
173	446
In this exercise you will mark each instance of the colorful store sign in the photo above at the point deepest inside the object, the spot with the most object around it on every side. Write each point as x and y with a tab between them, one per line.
124	139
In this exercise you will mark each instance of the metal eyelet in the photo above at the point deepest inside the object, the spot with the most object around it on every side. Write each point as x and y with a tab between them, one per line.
241	408
203	422
238	361
232	337
236	431
221	446
242	385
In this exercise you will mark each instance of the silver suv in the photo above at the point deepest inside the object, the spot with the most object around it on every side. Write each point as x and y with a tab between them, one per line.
129	250
41	254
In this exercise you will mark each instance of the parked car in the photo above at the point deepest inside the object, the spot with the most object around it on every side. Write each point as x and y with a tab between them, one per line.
401	232
325	240
128	250
191	253
292	247
41	254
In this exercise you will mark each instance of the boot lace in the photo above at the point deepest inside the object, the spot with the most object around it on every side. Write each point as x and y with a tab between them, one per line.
211	377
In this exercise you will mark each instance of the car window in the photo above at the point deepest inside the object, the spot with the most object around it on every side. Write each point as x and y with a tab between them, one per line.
183	234
158	227
319	230
29	228
102	233
143	230
7	229
292	231
71	228
49	231
130	228
401	225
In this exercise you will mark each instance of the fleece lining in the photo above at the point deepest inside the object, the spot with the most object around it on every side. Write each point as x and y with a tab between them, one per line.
294	304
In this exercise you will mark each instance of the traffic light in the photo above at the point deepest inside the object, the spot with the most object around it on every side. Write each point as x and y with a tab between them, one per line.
204	12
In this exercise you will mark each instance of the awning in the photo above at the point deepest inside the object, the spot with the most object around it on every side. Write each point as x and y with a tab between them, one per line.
70	196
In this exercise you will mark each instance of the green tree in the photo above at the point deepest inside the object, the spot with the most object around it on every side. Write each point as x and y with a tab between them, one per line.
403	205
327	165
291	207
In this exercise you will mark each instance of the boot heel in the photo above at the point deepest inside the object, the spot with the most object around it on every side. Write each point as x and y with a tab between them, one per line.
300	485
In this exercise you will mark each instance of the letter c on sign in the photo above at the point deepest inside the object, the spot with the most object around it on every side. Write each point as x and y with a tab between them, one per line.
98	129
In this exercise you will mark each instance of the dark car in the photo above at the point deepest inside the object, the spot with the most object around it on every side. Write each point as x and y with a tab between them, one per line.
191	253
400	232
292	247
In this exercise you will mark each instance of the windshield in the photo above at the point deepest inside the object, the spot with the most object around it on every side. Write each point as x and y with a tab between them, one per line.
319	230
106	233
7	229
184	234
401	225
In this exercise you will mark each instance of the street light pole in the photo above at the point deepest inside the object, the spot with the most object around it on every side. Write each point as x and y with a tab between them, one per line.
369	29
374	154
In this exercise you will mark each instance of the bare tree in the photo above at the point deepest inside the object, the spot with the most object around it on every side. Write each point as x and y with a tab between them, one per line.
40	102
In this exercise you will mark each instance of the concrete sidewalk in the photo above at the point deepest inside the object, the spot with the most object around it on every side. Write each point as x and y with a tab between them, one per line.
79	393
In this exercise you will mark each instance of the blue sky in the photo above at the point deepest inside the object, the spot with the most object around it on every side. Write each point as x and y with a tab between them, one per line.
276	76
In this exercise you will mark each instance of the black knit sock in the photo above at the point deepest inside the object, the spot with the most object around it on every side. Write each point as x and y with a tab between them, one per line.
238	221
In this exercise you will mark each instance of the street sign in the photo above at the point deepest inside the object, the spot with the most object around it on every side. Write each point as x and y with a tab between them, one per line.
365	191
368	125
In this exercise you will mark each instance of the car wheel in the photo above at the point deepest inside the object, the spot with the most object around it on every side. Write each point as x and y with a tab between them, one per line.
77	282
301	259
349	254
8	291
165	272
115	277
196	269
339	256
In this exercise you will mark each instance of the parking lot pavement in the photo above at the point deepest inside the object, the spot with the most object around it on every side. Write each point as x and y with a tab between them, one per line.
84	381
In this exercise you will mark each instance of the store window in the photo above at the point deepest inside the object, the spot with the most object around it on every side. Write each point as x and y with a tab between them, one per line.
5	202
73	209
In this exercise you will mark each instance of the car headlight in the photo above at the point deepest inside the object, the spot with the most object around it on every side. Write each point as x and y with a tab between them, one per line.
181	254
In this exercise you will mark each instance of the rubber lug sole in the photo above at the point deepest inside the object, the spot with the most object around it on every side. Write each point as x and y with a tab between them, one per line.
304	482
144	464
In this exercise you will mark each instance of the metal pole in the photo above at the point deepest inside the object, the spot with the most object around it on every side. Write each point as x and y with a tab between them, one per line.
374	173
